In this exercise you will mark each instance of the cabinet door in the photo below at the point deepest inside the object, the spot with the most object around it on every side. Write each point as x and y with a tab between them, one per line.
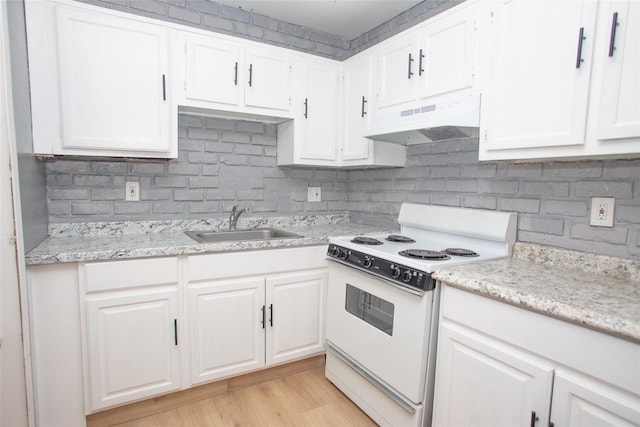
581	401
114	83
268	77
448	54
319	119
212	70
357	102
398	67
480	382
132	346
538	88
295	315
620	93
225	328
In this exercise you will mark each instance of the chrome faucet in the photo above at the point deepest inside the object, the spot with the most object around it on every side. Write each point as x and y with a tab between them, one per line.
235	214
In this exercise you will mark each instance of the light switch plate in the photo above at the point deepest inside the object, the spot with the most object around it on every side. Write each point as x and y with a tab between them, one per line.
132	191
602	209
314	194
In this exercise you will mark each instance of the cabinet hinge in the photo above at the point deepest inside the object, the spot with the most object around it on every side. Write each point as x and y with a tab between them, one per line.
485	136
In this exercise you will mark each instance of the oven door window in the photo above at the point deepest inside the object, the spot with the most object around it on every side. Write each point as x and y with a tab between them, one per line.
370	308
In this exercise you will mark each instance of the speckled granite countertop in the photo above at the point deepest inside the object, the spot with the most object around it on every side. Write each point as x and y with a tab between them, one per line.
105	241
540	280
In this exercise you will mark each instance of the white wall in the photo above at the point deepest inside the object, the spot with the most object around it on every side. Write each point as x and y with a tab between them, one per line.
13	400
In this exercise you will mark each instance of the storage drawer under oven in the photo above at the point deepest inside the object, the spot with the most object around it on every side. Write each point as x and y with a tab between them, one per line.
382	327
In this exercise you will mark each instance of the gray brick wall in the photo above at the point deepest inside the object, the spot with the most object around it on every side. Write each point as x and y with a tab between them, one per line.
211	16
220	163
552	198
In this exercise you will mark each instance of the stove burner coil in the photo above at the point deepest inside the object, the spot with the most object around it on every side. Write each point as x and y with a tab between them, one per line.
460	252
366	240
400	239
425	254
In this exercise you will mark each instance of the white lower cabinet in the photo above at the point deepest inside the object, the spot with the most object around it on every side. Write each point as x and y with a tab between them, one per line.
481	382
267	316
294	315
226	335
131	320
132	344
580	401
108	333
500	365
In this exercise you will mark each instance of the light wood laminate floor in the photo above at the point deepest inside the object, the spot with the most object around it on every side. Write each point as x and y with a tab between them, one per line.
300	399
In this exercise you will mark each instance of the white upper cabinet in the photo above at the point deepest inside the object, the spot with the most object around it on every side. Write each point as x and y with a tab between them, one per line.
433	61
269	77
331	104
619	93
218	73
312	137
100	83
356	150
212	68
356	86
554	91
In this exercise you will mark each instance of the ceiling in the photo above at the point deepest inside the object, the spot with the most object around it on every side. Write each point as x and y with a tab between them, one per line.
345	18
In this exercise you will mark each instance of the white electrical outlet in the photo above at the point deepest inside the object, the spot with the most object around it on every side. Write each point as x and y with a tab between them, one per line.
602	211
314	194
132	191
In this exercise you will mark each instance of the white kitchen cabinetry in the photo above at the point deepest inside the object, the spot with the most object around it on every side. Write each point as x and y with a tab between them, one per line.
225	327
220	74
311	138
294	315
131	328
495	384
430	62
501	365
250	310
328	132
100	82
558	93
355	149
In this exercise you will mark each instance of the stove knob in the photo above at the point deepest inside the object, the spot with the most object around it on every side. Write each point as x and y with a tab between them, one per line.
344	254
395	271
406	276
367	262
336	251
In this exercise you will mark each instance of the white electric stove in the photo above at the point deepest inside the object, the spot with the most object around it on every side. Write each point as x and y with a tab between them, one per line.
382	304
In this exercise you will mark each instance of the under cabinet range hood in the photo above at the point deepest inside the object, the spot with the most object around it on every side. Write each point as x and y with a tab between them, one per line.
429	122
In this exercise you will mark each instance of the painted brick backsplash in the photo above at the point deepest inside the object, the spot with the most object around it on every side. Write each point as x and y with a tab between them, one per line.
227	162
220	163
552	198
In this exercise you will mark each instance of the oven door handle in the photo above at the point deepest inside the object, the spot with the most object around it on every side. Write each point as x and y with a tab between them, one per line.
406	404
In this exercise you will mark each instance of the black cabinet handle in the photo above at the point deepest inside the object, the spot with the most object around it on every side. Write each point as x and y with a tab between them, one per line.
175	331
306	108
581	37
250	74
263	316
363	113
534	418
235	74
164	88
410	72
420	69
271	315
612	36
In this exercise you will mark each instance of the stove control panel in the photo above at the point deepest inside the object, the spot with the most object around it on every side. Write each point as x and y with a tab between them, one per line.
394	272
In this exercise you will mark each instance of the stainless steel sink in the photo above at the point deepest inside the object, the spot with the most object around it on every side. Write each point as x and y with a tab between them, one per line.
240	235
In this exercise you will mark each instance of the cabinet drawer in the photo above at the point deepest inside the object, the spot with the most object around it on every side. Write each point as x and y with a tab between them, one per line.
251	263
113	275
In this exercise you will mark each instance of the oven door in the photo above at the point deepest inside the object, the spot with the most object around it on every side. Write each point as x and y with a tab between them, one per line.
382	328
